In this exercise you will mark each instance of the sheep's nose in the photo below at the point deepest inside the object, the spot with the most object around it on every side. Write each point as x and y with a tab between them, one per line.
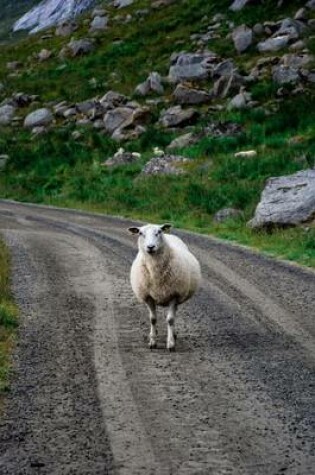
151	248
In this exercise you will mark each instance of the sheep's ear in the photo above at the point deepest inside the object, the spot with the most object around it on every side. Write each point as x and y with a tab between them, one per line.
133	230
166	227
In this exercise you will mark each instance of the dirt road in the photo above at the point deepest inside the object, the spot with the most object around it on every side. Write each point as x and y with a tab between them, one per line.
88	397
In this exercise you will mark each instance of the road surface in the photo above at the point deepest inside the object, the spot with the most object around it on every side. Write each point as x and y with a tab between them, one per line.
89	397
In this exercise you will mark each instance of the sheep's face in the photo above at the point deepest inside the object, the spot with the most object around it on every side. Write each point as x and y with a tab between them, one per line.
151	238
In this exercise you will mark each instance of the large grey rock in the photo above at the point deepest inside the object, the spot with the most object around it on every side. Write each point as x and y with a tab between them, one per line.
191	66
243	38
286	200
187	95
176	116
291	28
273	44
6	114
113	99
165	165
38	118
50	12
240	101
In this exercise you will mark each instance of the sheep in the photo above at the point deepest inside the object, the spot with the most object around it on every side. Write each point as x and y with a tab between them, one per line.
164	273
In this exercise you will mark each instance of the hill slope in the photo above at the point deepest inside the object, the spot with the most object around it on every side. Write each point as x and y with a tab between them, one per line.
65	164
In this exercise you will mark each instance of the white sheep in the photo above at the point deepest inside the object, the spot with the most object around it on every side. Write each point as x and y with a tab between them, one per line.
164	273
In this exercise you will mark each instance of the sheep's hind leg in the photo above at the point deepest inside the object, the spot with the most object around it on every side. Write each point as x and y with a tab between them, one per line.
170	318
152	314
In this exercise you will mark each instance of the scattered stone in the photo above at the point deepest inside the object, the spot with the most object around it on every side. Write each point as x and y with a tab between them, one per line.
153	83
76	135
3	161
284	74
120	118
66	28
240	101
184	140
311	4
38	118
286	200
113	99
98	12
165	165
122	158
77	48
6	114
243	38
223	129
122	3
44	55
14	65
297	46
237	5
301	14
273	44
99	23
187	95
177	117
227	213
38	130
191	66
20	99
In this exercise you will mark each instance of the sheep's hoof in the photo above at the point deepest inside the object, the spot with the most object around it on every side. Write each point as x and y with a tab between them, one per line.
171	349
152	345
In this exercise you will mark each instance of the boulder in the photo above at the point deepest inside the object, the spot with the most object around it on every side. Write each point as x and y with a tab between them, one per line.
292	28
243	38
191	66
113	99
38	118
165	165
226	214
186	95
6	114
287	200
177	117
273	44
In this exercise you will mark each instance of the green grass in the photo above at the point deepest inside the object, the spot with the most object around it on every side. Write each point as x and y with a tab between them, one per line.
8	321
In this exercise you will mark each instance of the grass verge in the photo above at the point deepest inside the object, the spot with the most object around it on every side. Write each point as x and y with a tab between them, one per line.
8	322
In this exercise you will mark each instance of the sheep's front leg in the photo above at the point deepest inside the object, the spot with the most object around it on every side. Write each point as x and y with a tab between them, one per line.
170	318
152	314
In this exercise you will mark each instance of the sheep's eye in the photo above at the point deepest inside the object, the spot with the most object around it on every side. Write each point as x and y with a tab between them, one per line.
158	232
140	233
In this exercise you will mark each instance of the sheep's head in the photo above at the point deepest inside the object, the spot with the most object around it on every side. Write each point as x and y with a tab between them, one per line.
151	238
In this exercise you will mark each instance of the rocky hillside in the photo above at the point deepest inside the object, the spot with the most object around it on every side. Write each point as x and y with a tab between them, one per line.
168	109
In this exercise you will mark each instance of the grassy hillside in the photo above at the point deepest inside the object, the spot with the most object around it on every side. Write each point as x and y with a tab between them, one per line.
56	168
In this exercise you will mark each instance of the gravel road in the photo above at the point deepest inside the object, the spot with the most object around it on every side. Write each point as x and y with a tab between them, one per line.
89	397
